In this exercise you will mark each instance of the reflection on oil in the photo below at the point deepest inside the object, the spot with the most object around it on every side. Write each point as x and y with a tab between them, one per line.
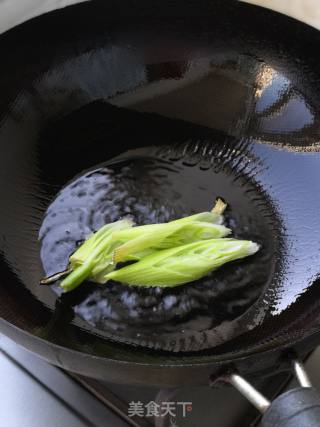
265	79
280	108
236	94
293	116
212	91
157	184
293	183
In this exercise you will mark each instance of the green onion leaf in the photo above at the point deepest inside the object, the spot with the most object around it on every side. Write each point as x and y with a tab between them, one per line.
163	236
94	256
180	265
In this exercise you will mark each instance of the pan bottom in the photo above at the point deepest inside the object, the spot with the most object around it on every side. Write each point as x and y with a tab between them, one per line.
151	185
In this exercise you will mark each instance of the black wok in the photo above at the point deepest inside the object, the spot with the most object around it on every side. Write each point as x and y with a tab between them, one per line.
227	93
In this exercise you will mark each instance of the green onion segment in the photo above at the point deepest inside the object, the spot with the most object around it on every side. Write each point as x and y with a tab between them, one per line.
167	254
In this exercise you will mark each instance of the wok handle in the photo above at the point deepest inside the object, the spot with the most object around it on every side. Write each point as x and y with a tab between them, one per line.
299	407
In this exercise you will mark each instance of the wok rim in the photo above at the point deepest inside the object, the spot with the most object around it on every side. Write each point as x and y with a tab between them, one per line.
243	355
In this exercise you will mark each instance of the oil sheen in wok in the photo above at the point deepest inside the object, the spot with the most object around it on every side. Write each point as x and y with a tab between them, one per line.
158	184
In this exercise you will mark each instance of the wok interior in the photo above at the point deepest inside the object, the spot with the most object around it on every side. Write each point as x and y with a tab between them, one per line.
225	88
157	184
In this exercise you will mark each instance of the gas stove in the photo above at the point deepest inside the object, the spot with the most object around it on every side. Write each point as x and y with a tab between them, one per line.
35	393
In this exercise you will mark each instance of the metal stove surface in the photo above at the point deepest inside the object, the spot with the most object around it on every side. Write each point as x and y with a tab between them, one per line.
34	393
